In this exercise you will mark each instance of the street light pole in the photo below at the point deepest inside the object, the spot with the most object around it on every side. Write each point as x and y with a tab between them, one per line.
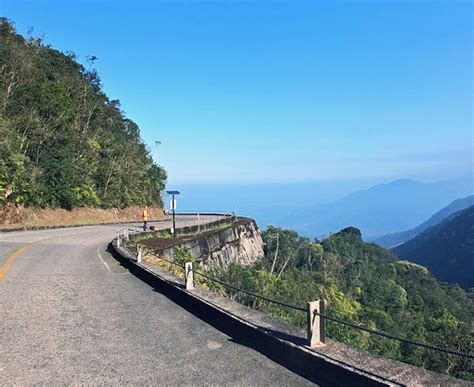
174	215
173	207
157	142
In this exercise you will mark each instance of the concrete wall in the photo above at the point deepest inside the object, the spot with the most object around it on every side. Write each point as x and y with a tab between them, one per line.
241	243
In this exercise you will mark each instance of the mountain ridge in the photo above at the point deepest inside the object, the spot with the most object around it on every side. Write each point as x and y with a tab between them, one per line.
394	239
382	209
446	249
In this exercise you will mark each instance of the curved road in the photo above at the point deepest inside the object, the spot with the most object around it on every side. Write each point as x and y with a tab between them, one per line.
70	314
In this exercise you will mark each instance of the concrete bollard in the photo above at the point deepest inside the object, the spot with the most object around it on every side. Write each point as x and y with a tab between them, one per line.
316	325
189	276
139	254
118	239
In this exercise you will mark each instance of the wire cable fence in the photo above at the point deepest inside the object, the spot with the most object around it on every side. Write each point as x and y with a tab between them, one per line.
394	337
343	322
444	350
249	293
169	261
163	259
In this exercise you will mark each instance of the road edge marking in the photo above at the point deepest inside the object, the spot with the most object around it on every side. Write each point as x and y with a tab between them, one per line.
102	259
6	266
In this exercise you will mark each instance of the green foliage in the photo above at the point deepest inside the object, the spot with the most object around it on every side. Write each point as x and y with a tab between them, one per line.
164	235
84	196
135	241
63	143
446	249
363	284
181	255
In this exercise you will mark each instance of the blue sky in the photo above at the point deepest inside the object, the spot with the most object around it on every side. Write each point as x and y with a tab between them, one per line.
274	91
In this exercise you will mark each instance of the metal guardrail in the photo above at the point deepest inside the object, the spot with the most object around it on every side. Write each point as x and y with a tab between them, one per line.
188	227
205	212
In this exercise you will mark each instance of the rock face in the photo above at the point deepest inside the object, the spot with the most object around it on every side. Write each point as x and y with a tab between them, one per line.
241	244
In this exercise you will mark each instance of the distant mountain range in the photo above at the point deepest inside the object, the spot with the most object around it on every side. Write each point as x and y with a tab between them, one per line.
382	209
446	249
393	239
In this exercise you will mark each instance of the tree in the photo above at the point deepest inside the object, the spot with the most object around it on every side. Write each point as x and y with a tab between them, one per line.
63	142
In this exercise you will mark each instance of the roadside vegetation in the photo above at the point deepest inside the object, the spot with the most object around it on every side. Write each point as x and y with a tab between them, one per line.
13	217
63	143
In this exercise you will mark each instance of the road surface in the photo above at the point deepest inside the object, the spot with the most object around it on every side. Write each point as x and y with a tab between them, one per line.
70	314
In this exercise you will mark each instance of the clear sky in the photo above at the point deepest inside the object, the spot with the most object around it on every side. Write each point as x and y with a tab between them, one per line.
276	91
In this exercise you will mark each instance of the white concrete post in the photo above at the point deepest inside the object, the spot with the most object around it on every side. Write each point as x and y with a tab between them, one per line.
316	325
127	234
118	239
139	254
189	276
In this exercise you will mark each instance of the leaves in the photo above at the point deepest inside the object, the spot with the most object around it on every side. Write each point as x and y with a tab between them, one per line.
62	142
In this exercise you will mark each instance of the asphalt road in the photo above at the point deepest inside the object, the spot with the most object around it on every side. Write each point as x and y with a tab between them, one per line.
70	314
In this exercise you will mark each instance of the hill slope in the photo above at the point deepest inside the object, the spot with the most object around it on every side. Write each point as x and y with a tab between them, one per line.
364	284
446	249
382	209
390	240
63	143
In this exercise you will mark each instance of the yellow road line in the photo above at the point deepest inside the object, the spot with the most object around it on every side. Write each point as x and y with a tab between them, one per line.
11	259
16	253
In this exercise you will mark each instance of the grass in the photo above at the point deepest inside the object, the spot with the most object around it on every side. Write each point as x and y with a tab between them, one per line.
12	218
163	240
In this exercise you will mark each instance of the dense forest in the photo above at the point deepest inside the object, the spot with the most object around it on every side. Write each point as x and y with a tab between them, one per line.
363	284
446	249
63	143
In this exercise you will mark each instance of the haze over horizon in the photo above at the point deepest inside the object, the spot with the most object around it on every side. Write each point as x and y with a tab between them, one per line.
281	92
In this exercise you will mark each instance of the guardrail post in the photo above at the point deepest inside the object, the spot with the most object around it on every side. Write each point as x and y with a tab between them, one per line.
189	275
139	254
118	239
316	325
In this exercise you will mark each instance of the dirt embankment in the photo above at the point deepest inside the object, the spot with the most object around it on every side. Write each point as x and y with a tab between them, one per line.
13	218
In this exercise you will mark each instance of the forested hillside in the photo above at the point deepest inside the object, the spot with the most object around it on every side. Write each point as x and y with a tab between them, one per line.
364	284
63	142
446	249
